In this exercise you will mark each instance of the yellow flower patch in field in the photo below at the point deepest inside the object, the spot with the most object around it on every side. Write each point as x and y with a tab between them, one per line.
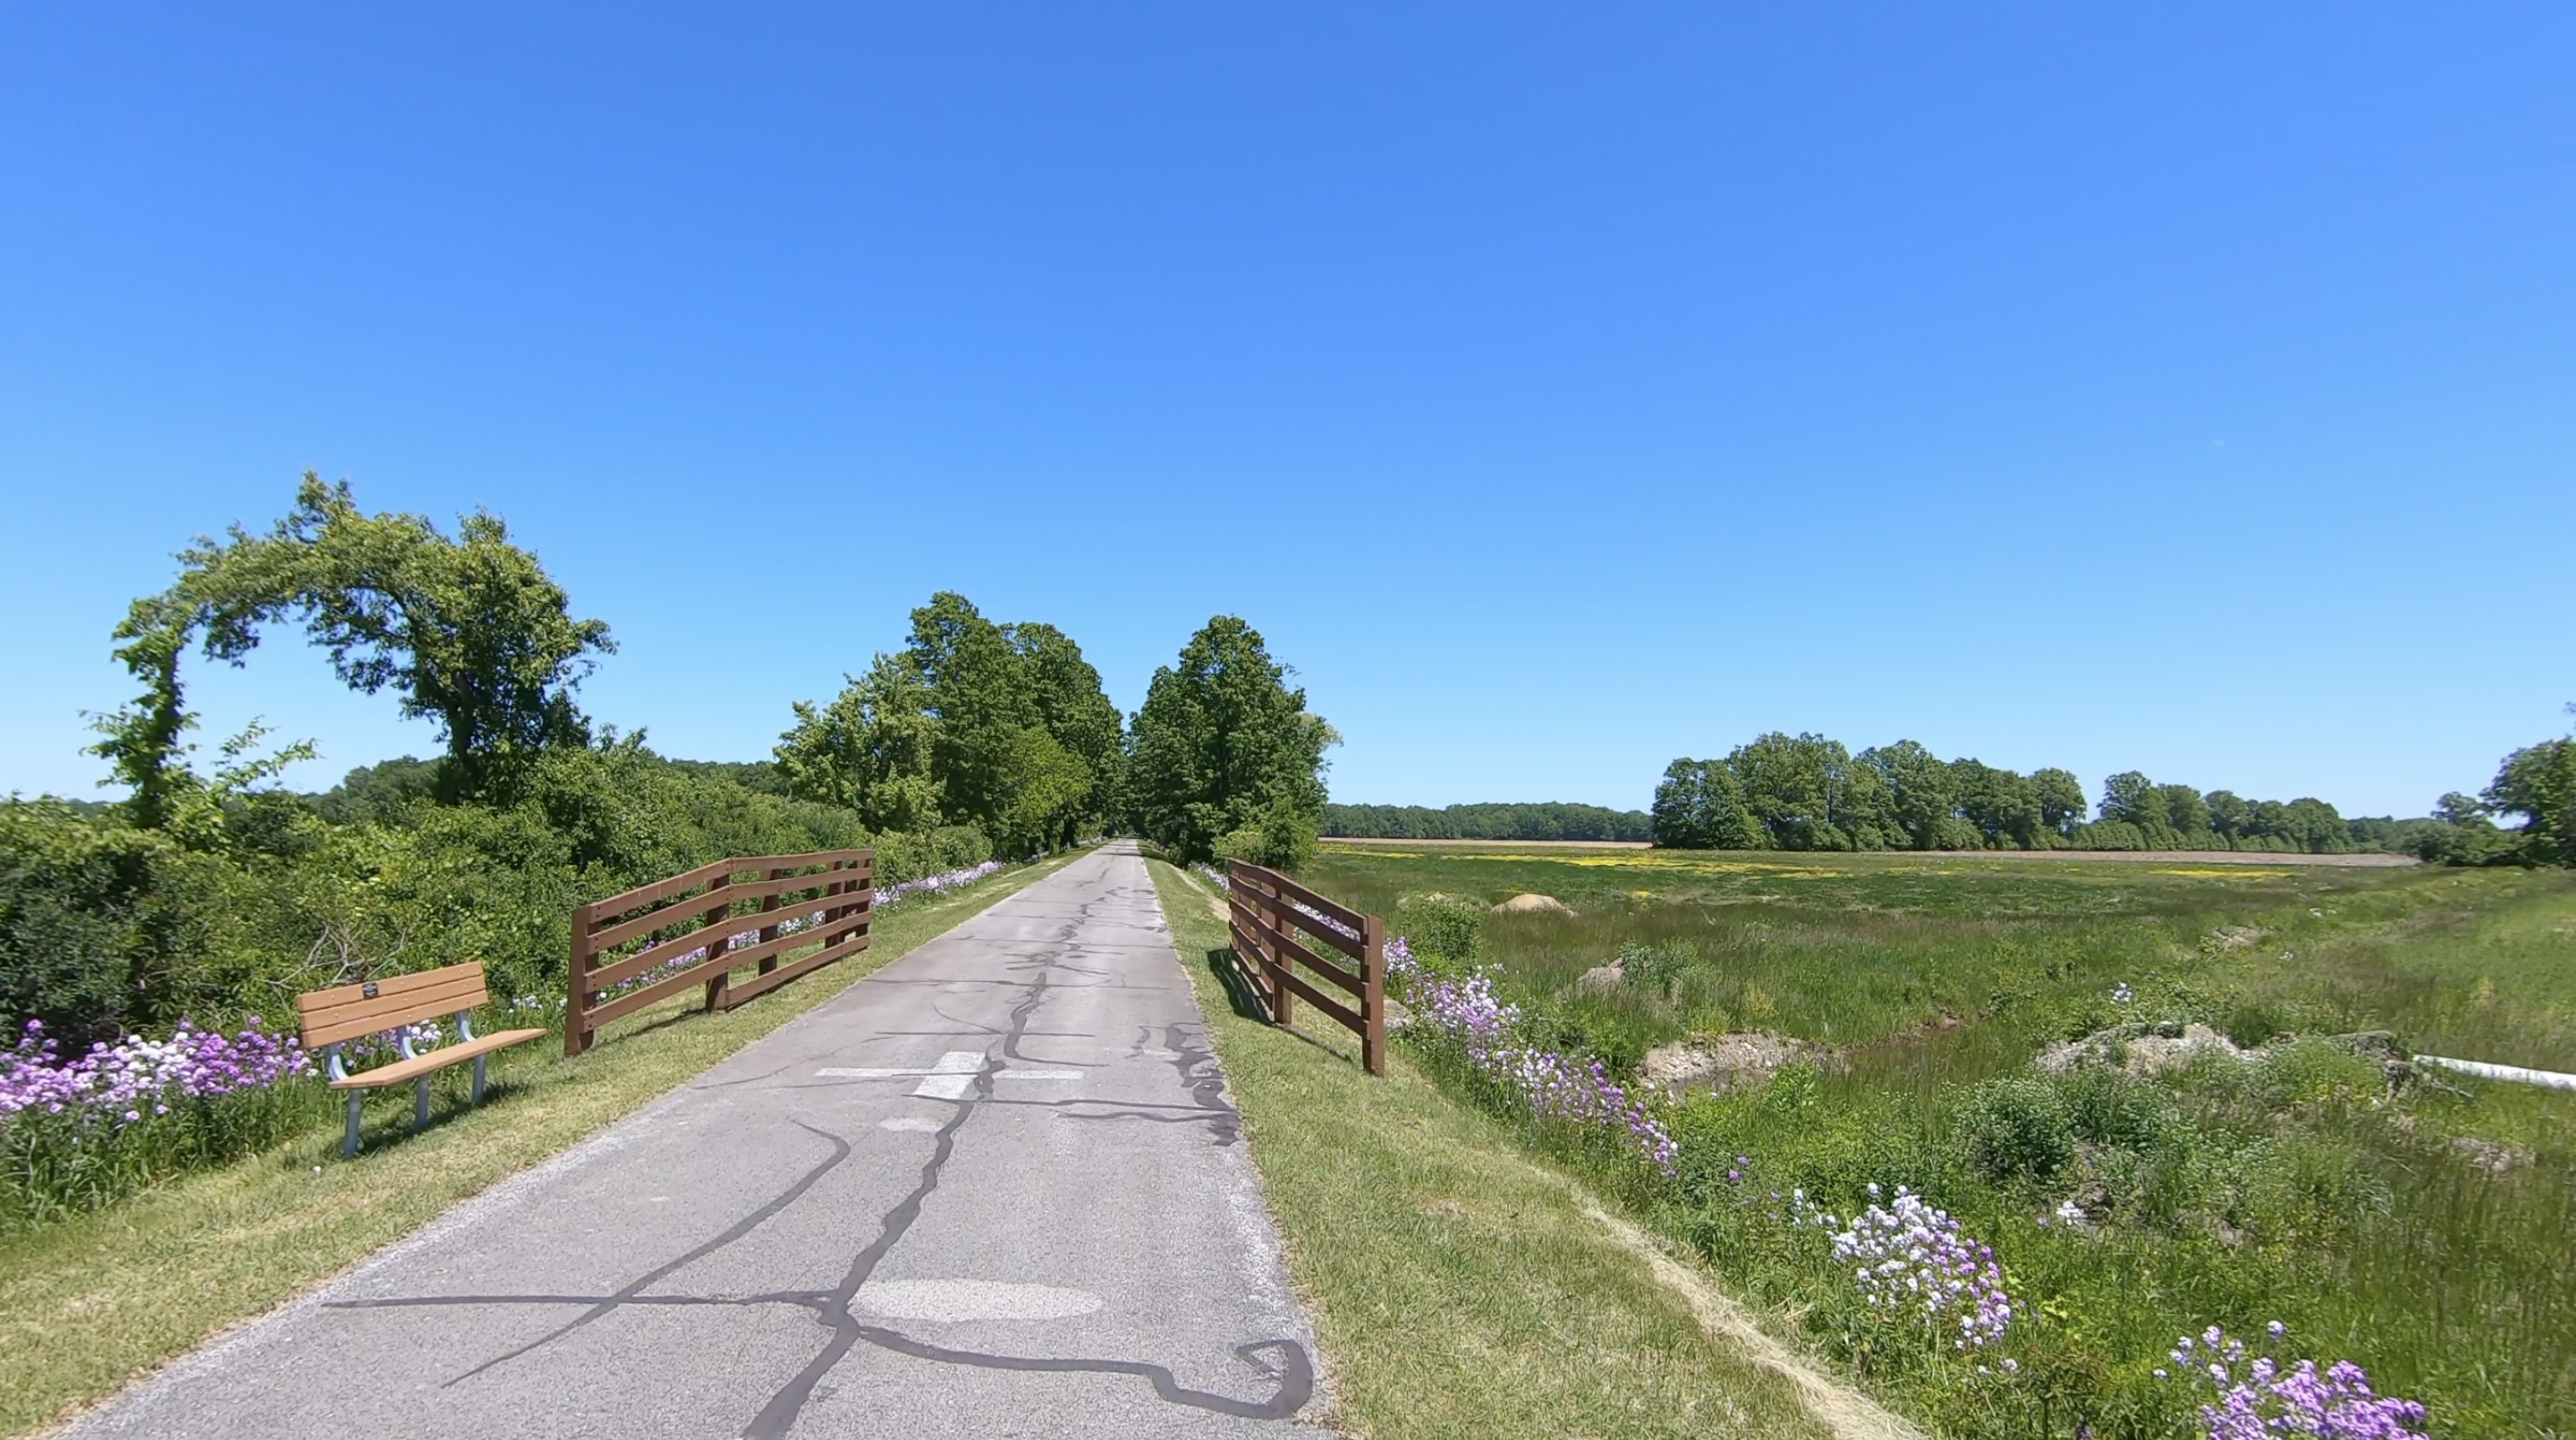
2220	872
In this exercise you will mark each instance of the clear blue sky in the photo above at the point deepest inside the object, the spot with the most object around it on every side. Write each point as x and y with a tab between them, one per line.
2189	389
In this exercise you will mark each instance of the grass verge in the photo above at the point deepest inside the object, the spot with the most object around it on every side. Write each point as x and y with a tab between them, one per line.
1458	1288
88	1303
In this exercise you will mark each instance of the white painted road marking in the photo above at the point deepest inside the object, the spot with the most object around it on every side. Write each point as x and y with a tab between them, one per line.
950	1079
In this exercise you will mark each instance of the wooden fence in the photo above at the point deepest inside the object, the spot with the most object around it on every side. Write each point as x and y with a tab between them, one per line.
1268	912
692	934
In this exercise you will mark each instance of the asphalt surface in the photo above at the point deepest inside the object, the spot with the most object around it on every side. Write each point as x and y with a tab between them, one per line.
995	1189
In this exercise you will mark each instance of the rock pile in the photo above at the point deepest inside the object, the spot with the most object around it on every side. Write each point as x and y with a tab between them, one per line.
1719	1062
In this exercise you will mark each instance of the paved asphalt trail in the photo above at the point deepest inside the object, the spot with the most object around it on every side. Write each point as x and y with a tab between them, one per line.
995	1189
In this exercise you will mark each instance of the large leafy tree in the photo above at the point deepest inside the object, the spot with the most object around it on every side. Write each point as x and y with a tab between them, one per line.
1223	755
869	750
2185	811
1003	727
991	740
1923	794
2129	798
1700	806
2060	797
2538	783
1076	711
2001	806
1808	793
468	630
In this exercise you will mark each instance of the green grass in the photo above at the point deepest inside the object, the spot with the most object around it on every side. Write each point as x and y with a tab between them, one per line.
1458	1288
87	1302
2299	1188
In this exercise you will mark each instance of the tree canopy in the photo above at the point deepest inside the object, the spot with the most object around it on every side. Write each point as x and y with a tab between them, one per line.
468	630
1224	757
1003	727
2538	782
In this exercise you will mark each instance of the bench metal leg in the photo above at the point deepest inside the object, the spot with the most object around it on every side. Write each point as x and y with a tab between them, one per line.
420	1104
478	1079
349	1141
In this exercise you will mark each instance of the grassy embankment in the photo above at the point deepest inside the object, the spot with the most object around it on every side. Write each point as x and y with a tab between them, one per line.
2422	1234
87	1302
1459	1289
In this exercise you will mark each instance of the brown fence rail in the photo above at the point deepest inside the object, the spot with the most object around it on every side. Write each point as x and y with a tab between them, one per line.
1279	925
687	930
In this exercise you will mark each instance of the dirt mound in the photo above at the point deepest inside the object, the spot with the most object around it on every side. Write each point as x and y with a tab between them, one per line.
1719	1062
1601	978
2141	1049
1533	905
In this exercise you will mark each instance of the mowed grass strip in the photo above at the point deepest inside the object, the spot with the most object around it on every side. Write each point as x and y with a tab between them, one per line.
88	1303
1458	1288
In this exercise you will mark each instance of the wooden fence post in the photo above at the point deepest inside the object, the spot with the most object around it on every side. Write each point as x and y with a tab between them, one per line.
717	921
1373	997
577	997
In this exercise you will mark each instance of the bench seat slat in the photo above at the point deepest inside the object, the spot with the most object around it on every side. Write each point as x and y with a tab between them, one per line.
403	1071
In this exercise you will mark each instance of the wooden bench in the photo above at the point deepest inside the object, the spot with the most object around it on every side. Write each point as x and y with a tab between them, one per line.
336	1016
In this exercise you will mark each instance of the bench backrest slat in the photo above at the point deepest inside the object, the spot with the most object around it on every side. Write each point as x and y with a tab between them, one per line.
346	1012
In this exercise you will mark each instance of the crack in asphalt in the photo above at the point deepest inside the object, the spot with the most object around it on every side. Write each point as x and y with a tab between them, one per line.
1281	1361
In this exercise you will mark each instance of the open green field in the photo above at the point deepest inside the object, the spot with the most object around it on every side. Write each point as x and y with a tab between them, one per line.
2423	1231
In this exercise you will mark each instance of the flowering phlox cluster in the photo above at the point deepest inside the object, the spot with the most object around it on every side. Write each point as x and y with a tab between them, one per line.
385	1044
124	1082
938	884
2121	994
1554	1086
1912	1260
2260	1398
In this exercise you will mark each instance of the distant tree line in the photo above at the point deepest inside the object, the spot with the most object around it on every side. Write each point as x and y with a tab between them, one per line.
1808	792
1544	820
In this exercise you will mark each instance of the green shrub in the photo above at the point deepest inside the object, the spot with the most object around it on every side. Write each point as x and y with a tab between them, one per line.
1280	837
930	852
1618	1042
2112	1109
1655	968
92	920
2017	1128
1448	928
